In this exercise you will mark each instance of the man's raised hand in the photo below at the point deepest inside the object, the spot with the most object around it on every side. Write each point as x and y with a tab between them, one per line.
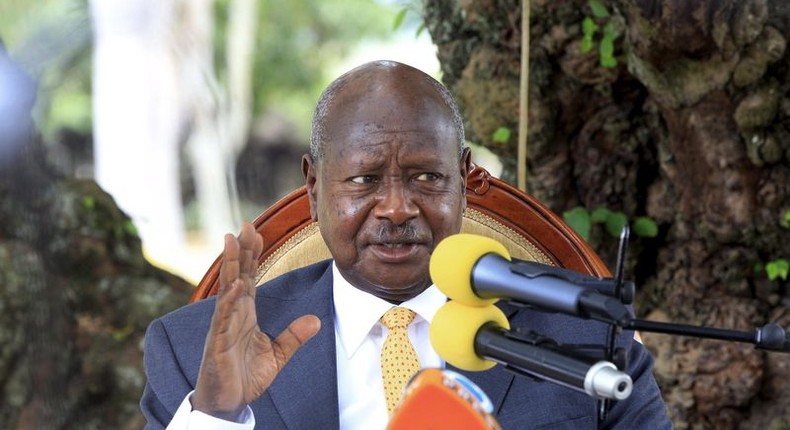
239	360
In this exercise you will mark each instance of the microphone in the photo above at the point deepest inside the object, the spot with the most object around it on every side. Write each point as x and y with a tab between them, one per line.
443	400
477	271
476	338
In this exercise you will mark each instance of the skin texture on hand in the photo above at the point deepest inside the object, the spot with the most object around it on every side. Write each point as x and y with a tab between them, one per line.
239	361
387	189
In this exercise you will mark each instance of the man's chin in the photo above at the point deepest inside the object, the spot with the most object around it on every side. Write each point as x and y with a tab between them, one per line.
394	289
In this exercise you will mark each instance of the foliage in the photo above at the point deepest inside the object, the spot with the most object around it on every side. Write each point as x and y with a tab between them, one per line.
582	220
399	18
645	227
51	40
415	7
579	220
298	44
785	220
598	9
590	28
501	135
778	268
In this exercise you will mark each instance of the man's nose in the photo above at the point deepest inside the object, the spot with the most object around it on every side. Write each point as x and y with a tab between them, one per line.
395	203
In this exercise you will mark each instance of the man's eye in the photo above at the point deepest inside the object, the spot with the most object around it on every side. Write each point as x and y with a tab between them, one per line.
364	179
428	177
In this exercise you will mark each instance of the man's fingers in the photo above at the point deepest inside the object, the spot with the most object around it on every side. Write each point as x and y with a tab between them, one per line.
250	242
296	334
226	306
257	249
229	269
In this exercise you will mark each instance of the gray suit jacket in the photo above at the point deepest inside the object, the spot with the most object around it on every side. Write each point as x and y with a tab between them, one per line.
304	394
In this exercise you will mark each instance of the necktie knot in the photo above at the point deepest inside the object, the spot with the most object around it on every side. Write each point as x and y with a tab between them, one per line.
397	318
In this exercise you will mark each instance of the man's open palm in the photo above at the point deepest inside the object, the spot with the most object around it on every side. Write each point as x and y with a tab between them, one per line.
239	360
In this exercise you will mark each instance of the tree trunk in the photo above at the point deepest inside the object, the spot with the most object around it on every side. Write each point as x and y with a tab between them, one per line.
138	118
691	128
208	140
76	294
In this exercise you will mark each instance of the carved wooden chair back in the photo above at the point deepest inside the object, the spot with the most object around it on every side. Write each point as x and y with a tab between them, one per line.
528	229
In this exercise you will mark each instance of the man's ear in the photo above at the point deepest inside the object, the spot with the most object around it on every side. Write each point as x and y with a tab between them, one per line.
310	178
465	165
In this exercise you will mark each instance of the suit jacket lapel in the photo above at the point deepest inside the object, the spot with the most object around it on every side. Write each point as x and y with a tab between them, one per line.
494	382
307	385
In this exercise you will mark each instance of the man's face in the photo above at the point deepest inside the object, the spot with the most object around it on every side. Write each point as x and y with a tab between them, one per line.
389	189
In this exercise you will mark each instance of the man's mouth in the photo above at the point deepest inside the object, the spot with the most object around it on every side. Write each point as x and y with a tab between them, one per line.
395	244
395	252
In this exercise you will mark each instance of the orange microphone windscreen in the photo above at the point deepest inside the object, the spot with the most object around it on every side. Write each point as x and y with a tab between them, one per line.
438	399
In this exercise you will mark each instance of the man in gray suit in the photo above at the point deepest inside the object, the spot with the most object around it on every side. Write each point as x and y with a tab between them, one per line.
385	175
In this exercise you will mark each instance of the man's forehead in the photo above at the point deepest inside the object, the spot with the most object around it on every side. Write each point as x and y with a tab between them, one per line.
395	111
411	154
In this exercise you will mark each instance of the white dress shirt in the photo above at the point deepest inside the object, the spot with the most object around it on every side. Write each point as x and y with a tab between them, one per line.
358	339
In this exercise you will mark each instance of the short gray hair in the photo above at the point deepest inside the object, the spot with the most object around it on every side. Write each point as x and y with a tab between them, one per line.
322	108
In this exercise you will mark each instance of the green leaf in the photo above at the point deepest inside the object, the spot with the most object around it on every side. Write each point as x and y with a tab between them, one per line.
130	228
608	62
589	27
606	48
399	18
122	333
778	268
88	202
610	31
420	29
645	227
501	135
785	222
598	9
615	223
586	45
600	215
579	220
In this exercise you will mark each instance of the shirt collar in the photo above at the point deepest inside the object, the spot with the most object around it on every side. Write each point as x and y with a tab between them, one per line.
357	312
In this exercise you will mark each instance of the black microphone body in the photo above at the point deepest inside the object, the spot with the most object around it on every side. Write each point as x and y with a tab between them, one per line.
600	380
543	286
605	286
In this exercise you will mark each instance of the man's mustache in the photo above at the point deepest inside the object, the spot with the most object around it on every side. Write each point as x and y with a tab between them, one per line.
389	232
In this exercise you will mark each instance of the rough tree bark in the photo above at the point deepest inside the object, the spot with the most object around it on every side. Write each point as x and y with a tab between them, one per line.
692	128
76	293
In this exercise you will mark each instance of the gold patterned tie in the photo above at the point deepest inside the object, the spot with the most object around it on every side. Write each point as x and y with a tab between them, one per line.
399	360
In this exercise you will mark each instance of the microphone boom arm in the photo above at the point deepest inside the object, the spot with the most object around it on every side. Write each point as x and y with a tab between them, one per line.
601	379
770	337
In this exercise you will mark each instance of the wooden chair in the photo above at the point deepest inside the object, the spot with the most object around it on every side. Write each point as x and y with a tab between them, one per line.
529	230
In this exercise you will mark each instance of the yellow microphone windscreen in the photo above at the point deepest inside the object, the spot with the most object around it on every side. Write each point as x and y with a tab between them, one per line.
453	260
453	330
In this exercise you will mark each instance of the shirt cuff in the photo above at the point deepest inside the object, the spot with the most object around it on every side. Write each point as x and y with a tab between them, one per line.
187	419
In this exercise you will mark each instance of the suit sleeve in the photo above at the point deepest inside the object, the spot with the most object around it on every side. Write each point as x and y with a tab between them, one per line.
166	386
645	408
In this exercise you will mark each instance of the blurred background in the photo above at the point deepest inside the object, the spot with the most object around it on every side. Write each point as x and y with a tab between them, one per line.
135	133
193	115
